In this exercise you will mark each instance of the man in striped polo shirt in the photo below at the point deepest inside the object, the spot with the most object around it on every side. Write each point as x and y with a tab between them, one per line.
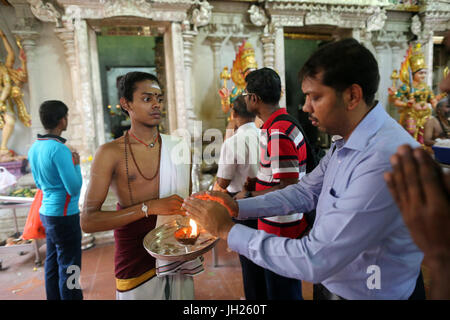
282	163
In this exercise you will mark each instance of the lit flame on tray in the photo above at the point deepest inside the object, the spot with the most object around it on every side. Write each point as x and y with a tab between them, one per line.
193	228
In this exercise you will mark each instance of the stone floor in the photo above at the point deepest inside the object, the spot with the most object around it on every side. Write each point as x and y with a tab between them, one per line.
23	280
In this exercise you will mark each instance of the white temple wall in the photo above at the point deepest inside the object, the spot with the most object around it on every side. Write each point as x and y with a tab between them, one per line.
48	78
52	74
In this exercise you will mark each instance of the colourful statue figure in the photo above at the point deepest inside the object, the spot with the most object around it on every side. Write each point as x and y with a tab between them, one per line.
414	98
243	64
11	82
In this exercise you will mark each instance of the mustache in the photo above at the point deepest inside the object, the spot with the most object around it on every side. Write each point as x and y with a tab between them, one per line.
311	118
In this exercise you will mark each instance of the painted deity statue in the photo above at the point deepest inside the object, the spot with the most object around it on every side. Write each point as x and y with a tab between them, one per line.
11	82
414	99
243	64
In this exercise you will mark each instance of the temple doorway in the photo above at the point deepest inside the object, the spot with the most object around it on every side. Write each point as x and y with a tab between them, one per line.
124	46
299	44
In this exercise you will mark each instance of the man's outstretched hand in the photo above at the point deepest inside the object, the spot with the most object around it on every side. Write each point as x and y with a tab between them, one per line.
211	215
220	197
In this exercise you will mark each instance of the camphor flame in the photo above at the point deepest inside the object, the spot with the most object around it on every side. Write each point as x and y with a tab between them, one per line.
193	228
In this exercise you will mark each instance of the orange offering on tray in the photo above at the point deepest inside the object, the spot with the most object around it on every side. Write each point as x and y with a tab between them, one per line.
206	196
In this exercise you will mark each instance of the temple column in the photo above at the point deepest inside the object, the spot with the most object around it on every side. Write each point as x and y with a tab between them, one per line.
382	52
216	45
97	100
188	42
398	50
174	58
67	36
85	93
268	41
279	65
28	40
427	50
76	47
160	65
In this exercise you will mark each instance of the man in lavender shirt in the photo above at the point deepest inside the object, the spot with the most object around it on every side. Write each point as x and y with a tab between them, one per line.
359	246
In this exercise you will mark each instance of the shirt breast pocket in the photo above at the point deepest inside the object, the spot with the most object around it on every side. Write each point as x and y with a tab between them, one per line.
330	199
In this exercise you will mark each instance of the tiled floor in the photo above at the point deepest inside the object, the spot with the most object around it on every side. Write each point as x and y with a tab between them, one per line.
22	280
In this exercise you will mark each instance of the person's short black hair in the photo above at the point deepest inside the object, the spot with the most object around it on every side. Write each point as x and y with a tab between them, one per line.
240	107
344	63
441	104
265	83
127	84
50	112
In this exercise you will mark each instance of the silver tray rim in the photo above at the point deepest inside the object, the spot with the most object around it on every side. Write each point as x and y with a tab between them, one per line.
179	257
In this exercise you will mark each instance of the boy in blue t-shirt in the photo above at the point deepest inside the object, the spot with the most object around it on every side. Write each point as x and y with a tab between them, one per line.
56	171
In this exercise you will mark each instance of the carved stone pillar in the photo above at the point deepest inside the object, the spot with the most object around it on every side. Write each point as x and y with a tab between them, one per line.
85	94
188	42
174	58
268	41
216	45
97	101
397	54
384	65
434	18
279	61
28	40
427	43
67	36
161	72
398	51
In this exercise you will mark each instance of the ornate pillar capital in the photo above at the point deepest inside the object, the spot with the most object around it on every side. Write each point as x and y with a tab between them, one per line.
25	19
396	46
237	41
28	39
188	42
389	39
215	40
67	36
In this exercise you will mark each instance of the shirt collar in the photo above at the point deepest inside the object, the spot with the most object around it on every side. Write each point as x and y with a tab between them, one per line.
273	116
51	137
368	126
246	126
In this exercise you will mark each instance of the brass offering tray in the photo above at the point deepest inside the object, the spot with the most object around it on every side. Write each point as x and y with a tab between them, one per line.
161	243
